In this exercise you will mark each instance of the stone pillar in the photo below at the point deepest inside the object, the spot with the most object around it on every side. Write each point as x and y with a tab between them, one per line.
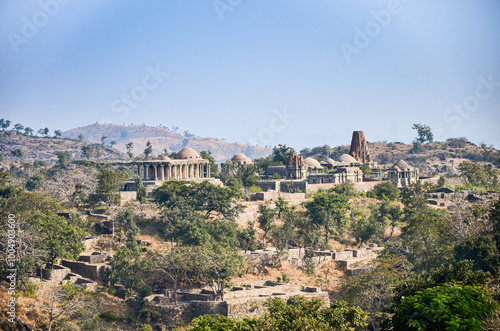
170	172
145	172
155	177
208	170
162	172
139	171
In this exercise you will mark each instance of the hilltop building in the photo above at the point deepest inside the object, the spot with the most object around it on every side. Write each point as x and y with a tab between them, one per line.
187	165
402	174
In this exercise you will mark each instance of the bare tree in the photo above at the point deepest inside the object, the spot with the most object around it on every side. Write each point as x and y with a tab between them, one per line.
467	220
57	301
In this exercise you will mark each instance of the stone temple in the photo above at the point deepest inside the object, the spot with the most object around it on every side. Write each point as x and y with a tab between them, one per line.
187	165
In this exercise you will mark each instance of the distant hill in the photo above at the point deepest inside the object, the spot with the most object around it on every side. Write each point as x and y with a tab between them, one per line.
44	148
163	139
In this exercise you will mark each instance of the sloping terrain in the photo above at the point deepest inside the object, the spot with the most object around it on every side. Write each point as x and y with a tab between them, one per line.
45	148
162	139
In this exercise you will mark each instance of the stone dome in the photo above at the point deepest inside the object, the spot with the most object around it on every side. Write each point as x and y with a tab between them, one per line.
346	158
241	159
312	163
401	165
164	158
331	162
187	153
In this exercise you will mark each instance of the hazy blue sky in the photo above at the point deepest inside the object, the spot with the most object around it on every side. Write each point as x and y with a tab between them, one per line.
304	73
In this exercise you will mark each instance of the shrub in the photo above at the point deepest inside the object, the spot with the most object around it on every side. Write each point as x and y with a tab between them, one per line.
109	316
255	189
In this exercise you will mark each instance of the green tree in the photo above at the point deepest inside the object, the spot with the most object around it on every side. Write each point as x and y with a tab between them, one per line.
176	264
328	210
441	181
427	237
482	251
266	220
112	143
384	191
346	189
108	184
149	150
142	194
424	133
88	151
479	176
414	199
246	237
4	124
216	267
18	127
80	137
126	265
63	158
447	307
281	153
366	228
372	289
103	140
461	273
207	155
60	239
35	182
58	133
282	206
28	131
130	147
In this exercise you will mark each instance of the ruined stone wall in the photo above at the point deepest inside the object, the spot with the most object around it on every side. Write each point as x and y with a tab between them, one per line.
92	271
288	186
57	274
267	185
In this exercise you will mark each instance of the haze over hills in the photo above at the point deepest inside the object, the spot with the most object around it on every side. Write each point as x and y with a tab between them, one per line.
163	139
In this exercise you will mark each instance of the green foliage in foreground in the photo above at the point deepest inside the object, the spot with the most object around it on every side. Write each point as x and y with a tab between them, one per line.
462	273
447	308
384	191
297	313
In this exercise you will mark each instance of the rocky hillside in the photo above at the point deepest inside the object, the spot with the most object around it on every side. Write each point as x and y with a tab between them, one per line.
163	139
45	148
